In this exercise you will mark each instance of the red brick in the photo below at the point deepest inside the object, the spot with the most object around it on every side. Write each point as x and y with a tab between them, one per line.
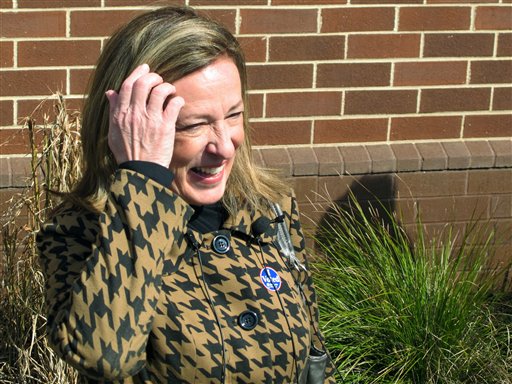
372	188
257	158
425	127
6	4
58	3
255	105
455	99
353	75
458	44
488	126
6	54
431	184
491	71
383	158
278	21
228	2
6	194
41	110
99	23
503	151
463	2
20	168
281	132
307	2
380	102
58	53
303	104
227	17
119	3
304	161
329	161
357	19
373	2
306	48
493	17
255	48
14	141
502	99
34	82
433	156
504	44
280	76
350	130
6	112
490	181
383	46
482	155
455	208
430	18
33	24
79	80
305	188
278	159
5	183
430	73
356	160
331	189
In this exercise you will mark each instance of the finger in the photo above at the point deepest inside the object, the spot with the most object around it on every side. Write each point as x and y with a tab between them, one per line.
172	110
142	89
125	93
158	96
112	98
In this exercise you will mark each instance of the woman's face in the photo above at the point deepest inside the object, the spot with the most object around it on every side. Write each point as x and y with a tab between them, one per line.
209	129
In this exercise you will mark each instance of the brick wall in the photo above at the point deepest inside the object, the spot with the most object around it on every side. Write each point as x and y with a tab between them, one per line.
446	183
419	91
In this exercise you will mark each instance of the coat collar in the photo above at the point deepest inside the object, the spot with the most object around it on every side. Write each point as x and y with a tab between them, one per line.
243	220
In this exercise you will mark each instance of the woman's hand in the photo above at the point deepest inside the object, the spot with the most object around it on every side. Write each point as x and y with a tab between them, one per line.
142	123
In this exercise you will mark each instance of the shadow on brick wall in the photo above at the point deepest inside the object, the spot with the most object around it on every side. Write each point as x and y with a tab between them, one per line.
374	194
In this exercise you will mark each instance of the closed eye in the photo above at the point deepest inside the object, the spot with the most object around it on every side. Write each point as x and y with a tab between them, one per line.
180	127
235	114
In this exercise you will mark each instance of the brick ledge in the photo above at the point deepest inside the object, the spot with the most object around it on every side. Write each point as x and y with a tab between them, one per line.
384	158
347	159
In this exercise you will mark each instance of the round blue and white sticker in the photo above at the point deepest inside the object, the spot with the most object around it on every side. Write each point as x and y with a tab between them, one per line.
270	279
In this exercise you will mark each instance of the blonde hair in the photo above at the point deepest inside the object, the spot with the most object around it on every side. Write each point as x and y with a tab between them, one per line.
174	42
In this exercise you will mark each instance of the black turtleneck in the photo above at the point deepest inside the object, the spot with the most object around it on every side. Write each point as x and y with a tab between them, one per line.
208	218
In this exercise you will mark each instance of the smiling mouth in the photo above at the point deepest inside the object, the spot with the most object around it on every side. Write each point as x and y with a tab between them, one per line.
208	171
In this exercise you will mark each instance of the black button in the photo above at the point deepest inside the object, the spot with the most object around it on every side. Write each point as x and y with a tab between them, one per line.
248	320
220	244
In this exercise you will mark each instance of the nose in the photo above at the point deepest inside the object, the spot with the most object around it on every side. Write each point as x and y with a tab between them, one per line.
220	142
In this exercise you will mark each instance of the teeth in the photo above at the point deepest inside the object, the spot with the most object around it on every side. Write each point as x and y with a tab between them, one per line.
210	171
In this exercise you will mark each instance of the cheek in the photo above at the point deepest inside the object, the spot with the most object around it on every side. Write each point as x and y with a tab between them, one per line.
238	137
185	150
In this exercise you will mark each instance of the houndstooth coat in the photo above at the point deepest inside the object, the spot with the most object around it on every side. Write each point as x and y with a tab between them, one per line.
134	296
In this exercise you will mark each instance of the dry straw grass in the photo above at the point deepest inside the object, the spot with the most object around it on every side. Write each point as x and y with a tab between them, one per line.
55	165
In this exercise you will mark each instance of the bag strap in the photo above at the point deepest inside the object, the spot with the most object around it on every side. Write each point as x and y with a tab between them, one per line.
285	243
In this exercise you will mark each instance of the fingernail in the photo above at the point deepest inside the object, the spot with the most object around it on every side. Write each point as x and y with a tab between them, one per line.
180	101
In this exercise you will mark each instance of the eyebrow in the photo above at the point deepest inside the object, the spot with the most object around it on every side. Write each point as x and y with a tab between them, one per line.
238	105
199	119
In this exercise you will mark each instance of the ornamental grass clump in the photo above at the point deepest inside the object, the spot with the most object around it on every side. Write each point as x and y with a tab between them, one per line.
55	165
421	312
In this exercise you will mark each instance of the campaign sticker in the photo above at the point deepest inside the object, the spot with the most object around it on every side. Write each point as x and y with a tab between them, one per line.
270	279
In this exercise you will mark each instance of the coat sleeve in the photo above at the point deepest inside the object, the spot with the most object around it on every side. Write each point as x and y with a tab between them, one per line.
299	245
103	274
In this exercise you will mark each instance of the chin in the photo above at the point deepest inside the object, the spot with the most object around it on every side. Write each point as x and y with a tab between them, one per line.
204	198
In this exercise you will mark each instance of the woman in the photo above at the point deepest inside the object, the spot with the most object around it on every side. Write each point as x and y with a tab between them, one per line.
164	264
